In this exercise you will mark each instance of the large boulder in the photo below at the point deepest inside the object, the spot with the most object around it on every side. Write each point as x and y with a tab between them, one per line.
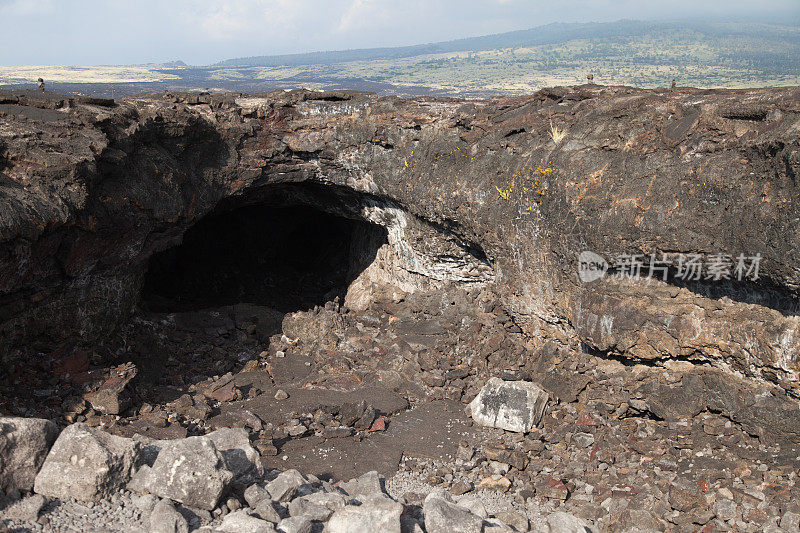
87	464
24	444
166	519
318	506
244	522
240	457
368	484
24	510
561	522
190	471
295	524
284	487
444	516
511	405
376	514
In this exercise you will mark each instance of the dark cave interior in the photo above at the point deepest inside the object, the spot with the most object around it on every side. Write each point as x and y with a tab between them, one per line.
287	257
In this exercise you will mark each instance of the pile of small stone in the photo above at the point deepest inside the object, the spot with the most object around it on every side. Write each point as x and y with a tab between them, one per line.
214	483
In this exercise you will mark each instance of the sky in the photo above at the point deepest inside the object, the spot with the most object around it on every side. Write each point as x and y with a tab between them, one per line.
202	32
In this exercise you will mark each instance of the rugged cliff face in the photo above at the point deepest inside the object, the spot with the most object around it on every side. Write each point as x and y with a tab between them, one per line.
506	193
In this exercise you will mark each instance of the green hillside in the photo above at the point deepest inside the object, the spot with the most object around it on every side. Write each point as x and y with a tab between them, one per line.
644	54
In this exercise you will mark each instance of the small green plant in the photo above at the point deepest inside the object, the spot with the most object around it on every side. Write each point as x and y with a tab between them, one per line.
556	133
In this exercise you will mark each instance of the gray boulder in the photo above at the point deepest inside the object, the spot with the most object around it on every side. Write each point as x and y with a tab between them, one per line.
295	524
254	494
495	525
24	444
562	522
267	510
376	514
145	502
240	457
318	506
166	519
511	405
25	510
243	522
190	471
87	464
474	504
442	516
368	484
284	487
516	520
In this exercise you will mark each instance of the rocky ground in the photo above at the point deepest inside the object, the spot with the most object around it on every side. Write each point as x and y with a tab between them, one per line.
466	355
335	393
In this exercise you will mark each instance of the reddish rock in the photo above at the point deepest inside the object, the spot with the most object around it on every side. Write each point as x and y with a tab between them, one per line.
378	425
111	397
756	516
226	393
515	458
553	489
685	500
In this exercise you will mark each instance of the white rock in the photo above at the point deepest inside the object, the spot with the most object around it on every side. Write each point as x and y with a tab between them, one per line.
265	509
24	444
241	458
295	524
254	494
191	471
365	485
284	487
442	516
511	405
473	504
790	521
242	522
23	510
318	506
166	519
493	525
377	514
87	464
562	522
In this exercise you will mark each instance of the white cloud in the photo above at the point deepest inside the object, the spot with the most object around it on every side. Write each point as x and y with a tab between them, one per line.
355	15
25	8
236	20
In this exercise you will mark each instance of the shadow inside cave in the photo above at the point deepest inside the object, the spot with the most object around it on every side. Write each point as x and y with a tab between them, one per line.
287	258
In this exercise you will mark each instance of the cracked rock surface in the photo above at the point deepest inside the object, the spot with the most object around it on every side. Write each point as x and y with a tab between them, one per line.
353	271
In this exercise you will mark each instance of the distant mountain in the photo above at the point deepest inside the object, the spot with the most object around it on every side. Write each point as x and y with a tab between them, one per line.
626	52
551	34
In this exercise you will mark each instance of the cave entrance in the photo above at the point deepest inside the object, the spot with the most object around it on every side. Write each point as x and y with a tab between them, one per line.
286	257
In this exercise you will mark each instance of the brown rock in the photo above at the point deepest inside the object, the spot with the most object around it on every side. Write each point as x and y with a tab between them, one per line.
226	393
685	500
250	366
515	458
461	487
552	489
496	483
110	397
